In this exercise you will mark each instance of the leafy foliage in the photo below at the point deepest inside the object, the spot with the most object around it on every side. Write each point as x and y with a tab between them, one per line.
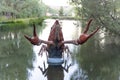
22	8
105	12
61	11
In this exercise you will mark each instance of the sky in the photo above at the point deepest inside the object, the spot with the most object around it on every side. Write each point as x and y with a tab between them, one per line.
56	2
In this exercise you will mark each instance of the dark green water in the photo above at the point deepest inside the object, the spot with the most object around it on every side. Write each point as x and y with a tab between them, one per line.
97	59
15	54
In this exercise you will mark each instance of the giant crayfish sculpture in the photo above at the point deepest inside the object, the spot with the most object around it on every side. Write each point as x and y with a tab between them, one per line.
55	45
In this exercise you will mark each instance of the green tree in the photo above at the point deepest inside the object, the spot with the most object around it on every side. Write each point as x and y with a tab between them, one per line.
105	12
61	12
22	8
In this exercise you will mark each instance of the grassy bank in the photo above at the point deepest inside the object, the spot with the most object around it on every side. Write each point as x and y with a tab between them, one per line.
20	23
63	17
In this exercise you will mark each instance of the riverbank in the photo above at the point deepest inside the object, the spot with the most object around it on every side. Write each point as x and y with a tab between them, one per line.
63	17
21	22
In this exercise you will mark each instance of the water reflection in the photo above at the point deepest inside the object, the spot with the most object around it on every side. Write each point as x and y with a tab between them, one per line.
57	71
100	62
15	54
94	60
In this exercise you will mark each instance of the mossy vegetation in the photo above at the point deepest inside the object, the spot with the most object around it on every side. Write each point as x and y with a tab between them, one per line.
20	23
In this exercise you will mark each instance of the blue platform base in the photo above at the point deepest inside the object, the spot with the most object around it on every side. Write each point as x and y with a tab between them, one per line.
55	61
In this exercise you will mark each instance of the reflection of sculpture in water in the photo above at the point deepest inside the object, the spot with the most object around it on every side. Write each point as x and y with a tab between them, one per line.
55	72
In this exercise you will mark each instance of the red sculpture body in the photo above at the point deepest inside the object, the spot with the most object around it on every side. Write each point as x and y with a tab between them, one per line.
56	43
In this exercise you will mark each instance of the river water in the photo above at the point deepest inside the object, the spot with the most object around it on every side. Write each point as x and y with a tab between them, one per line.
97	59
